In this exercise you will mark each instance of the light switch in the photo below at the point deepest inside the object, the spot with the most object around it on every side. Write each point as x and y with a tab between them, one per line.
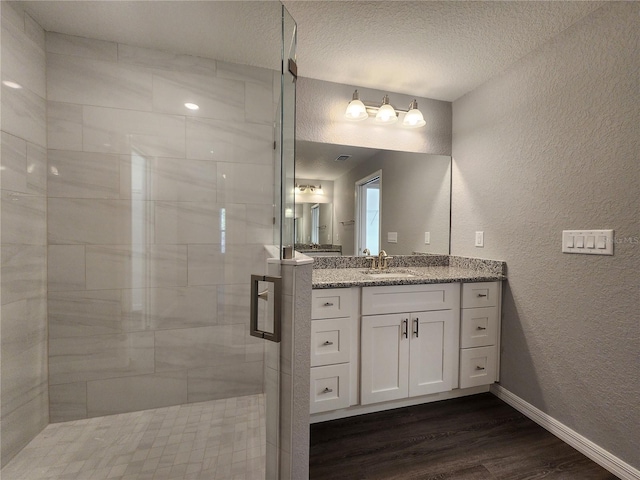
570	241
427	238
593	242
392	237
479	239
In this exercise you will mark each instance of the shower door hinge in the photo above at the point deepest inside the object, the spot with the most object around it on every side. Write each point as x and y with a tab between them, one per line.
273	220
275	145
293	68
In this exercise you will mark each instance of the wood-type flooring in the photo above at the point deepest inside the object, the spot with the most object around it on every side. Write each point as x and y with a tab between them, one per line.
472	438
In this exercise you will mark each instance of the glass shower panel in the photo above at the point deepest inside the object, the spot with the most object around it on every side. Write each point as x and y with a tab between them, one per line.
289	75
158	213
157	220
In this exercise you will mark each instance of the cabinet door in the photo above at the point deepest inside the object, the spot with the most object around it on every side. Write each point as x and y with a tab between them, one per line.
385	358
433	352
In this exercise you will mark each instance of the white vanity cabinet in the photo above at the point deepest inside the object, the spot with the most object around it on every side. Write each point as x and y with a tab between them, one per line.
380	347
479	333
334	348
409	341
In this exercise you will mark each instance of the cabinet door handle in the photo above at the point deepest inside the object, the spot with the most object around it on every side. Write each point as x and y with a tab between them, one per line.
327	390
329	304
481	328
417	331
405	323
482	294
328	343
479	368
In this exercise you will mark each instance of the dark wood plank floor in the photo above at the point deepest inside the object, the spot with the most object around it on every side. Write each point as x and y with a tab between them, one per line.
475	438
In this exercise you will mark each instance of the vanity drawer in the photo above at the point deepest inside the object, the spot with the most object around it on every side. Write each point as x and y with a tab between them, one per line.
477	366
330	341
479	327
410	298
330	303
329	389
481	294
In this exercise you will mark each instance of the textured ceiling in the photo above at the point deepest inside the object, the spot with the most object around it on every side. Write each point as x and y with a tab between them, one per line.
437	50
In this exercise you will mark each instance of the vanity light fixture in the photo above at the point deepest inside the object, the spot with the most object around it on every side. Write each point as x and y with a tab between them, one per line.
384	113
309	188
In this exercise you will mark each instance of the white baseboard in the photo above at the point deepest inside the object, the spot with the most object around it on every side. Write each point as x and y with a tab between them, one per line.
585	446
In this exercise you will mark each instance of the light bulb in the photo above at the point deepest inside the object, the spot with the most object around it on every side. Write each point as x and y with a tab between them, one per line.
356	110
386	113
413	118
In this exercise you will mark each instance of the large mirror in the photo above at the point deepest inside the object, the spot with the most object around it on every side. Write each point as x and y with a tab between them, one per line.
400	199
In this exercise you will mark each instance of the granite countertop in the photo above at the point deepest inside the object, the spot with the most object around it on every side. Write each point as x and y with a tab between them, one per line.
331	273
313	250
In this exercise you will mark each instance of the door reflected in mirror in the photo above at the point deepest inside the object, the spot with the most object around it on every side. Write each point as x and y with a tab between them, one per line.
414	205
367	220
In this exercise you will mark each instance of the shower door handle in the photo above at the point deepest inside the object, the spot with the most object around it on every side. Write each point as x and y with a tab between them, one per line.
272	308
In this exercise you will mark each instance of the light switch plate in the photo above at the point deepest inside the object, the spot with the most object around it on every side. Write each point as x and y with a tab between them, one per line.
479	239
588	242
392	237
427	238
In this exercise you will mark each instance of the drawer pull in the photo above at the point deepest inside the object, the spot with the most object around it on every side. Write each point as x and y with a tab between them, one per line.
479	368
328	343
482	294
327	390
481	328
329	304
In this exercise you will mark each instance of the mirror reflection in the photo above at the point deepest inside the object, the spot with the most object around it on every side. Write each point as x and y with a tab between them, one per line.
376	199
314	223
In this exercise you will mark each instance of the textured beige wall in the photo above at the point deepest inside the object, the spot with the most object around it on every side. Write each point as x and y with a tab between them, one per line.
552	144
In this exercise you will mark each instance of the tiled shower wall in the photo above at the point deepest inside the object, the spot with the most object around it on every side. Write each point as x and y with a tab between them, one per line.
157	215
24	400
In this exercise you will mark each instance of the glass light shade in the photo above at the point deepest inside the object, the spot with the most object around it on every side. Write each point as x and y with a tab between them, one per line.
413	119
356	110
386	114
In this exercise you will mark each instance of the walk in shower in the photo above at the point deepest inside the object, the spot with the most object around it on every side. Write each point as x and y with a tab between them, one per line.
143	173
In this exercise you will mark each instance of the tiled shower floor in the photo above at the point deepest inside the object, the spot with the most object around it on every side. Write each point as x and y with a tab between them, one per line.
219	439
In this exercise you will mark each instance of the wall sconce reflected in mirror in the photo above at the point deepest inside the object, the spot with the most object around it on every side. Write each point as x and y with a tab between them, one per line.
309	189
384	113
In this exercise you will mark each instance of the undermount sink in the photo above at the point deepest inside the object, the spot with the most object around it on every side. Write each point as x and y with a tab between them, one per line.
390	273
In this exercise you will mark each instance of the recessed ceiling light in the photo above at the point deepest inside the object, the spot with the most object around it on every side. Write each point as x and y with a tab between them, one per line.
11	84
192	106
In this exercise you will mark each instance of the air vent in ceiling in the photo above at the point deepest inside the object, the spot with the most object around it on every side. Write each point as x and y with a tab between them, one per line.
342	158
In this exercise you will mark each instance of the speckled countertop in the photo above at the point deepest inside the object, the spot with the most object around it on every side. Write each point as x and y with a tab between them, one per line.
426	270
